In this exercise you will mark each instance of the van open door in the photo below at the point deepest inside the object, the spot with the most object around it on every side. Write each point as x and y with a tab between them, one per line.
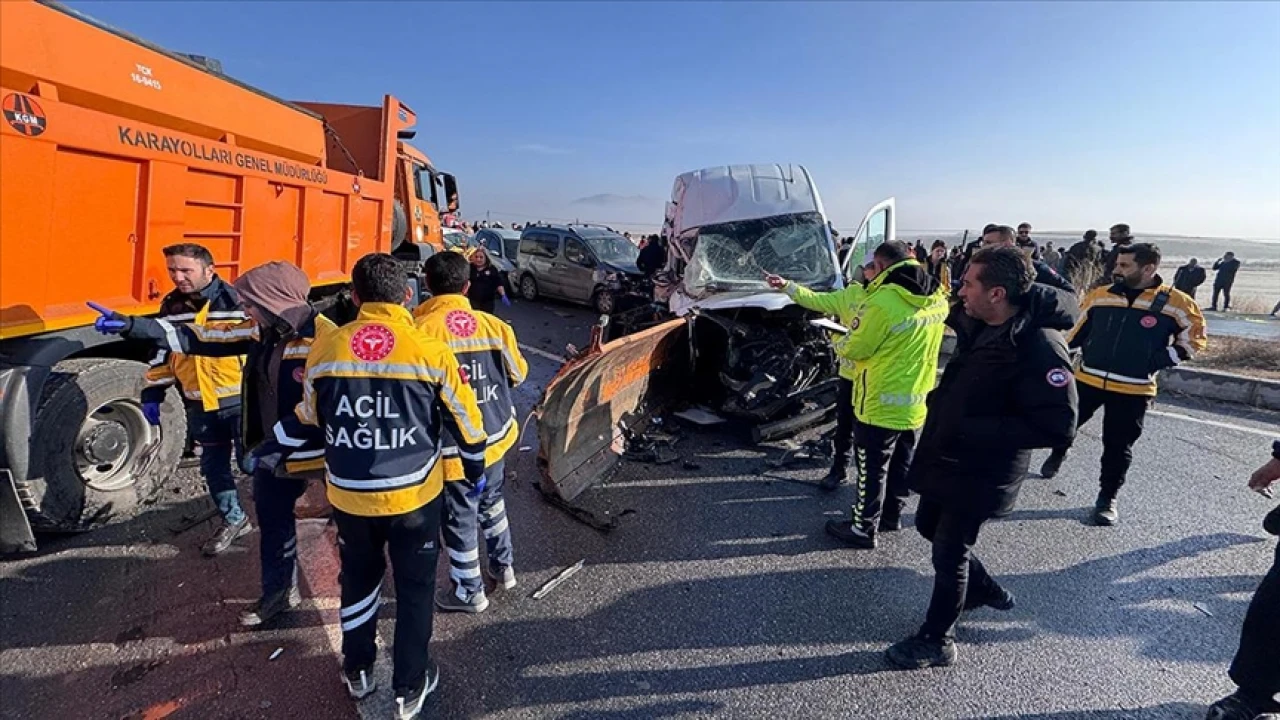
879	225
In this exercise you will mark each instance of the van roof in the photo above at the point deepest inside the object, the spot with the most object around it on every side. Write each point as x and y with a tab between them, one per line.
730	193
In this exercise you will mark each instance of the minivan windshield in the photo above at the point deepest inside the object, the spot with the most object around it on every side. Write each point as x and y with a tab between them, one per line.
613	249
737	255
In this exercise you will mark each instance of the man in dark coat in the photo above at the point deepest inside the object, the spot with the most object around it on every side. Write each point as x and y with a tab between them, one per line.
1189	277
1007	389
1224	277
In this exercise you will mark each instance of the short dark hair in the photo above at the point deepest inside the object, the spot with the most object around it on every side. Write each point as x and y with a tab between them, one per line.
1024	225
1005	267
1143	253
1122	229
893	251
1090	234
938	243
378	277
190	250
989	227
447	273
1005	232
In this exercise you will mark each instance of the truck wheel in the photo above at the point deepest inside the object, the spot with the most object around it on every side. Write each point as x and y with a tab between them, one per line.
528	288
95	459
604	302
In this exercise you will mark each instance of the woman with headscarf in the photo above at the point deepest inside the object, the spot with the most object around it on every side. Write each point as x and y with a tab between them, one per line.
488	283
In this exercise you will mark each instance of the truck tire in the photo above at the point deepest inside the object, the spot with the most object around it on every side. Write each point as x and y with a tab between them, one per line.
399	225
95	459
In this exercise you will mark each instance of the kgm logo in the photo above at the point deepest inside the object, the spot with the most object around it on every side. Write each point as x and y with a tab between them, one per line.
24	115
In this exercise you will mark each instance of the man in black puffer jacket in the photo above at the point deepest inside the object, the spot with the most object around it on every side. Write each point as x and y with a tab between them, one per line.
1007	389
1256	666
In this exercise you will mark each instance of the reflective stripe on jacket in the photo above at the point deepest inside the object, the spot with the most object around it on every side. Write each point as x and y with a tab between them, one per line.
486	349
1124	345
894	339
288	353
383	393
212	382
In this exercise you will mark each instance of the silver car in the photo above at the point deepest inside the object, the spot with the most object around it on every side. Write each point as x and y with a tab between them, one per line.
580	263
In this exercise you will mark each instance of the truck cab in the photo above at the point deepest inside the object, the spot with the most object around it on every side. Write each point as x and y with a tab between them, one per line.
433	194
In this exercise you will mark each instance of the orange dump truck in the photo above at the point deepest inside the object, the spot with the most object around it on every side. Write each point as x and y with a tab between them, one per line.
111	149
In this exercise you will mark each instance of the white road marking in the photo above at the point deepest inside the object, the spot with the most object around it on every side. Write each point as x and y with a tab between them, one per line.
542	353
1215	423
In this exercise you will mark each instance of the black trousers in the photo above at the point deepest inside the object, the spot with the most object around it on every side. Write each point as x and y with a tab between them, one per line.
884	457
1225	290
1256	667
413	542
958	573
274	498
842	446
1121	428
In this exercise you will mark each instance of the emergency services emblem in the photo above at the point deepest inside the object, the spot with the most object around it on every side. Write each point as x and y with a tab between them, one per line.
461	323
1058	378
1148	321
24	115
372	342
464	375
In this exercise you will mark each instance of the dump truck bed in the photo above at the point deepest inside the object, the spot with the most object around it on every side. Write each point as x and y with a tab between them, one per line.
113	149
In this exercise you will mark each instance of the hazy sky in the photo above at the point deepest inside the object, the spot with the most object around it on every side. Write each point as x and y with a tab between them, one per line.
1067	115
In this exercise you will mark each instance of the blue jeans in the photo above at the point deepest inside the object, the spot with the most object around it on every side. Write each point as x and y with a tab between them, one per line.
464	516
218	435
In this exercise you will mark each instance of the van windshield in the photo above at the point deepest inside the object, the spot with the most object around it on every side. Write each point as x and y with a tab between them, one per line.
735	256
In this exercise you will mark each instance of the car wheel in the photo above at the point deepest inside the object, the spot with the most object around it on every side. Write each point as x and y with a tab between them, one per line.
528	288
604	302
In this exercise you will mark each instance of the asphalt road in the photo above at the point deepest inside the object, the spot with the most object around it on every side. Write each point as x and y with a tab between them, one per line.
718	596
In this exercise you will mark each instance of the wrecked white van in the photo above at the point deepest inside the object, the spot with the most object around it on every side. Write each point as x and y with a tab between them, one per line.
729	343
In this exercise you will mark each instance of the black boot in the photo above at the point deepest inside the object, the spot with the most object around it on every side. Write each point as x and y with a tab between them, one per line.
1052	464
1105	512
921	651
997	599
849	534
891	518
833	479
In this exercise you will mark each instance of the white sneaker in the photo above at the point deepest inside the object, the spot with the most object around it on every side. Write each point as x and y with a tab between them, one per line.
407	708
359	683
503	576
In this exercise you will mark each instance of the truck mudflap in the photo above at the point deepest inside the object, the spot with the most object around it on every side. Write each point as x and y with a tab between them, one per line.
15	528
597	394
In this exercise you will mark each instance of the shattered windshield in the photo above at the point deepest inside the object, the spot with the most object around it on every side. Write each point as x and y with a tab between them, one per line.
613	249
736	256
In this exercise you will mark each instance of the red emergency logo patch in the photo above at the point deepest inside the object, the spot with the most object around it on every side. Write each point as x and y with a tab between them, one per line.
372	342
299	373
461	323
1148	321
1058	378
464	375
24	115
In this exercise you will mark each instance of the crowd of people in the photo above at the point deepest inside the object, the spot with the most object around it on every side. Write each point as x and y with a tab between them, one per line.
407	415
1033	361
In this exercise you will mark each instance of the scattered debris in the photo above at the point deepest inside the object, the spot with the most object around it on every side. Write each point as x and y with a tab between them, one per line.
187	522
773	430
654	455
1059	493
558	580
1202	609
816	451
699	416
526	448
279	651
124	678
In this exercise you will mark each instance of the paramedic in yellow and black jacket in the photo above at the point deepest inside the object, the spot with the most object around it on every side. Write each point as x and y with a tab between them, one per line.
276	341
1127	332
486	348
383	395
210	386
